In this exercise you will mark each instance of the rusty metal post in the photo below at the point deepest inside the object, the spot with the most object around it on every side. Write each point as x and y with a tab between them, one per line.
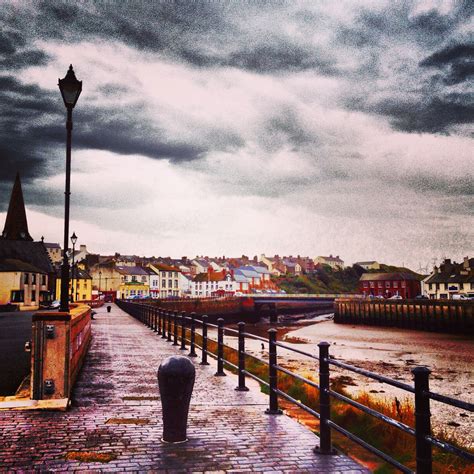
220	348
241	387
159	321
422	420
192	352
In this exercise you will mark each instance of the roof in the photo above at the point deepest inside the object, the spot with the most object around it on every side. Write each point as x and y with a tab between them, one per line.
16	225
260	269
131	270
366	263
453	273
49	245
32	253
249	272
13	265
214	276
163	267
399	276
330	258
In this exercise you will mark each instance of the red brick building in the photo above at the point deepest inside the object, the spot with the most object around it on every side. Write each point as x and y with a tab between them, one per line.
407	285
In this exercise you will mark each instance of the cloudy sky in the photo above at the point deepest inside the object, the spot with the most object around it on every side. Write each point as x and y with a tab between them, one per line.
230	127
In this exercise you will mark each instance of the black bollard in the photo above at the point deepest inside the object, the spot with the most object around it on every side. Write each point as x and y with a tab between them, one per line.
176	381
109	308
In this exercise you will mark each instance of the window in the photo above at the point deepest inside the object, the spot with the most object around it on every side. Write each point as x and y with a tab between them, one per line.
33	278
33	295
366	284
134	278
163	283
83	297
17	296
25	278
379	284
395	284
387	284
170	283
404	284
43	279
132	292
176	283
372	284
143	278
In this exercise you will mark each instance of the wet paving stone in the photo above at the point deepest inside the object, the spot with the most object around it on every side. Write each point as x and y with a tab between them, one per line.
228	431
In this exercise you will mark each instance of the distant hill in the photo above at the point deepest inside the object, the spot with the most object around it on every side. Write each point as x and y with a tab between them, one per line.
328	280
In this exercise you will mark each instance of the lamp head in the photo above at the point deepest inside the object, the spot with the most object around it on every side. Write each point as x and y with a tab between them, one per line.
70	88
74	238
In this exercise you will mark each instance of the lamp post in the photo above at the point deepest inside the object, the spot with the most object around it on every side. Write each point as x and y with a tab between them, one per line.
70	89
73	240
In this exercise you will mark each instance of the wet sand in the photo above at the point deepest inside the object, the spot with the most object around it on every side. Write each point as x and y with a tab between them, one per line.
388	351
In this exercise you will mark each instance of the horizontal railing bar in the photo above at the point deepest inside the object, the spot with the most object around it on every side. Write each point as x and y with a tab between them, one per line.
231	330
254	336
371	375
370	448
231	364
296	402
280	344
376	414
258	379
296	376
265	362
451	401
450	448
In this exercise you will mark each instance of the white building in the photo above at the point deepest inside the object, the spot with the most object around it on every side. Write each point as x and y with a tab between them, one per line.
167	283
333	262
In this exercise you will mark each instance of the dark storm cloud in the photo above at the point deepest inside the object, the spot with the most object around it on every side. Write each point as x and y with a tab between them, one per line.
456	62
418	98
434	115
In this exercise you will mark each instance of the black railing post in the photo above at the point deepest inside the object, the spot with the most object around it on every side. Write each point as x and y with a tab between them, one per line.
220	348
422	420
175	328
204	341
163	325
183	331
192	352
154	319
159	321
241	387
272	374
170	317
325	446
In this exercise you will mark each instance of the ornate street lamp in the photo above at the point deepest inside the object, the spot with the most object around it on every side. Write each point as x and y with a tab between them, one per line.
73	273
70	89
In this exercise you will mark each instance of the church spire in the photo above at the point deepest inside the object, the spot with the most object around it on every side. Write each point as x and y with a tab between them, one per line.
16	225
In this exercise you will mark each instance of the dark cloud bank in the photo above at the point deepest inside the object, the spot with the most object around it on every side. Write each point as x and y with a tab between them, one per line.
213	35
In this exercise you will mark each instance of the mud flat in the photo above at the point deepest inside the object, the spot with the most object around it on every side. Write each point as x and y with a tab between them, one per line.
388	351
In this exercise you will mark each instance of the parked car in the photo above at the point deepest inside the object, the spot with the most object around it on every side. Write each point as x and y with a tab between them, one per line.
461	297
421	297
396	297
55	304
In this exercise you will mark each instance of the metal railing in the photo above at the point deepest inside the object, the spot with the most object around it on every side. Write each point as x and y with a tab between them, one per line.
167	323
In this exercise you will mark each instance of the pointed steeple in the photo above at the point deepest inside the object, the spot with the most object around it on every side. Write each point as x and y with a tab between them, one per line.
16	225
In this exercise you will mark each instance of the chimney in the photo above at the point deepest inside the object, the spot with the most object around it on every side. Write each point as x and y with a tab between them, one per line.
83	248
466	263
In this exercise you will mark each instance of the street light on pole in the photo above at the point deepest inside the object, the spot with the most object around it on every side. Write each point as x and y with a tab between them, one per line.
73	273
70	89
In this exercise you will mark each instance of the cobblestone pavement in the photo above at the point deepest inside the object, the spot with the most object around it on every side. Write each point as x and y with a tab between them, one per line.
116	412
